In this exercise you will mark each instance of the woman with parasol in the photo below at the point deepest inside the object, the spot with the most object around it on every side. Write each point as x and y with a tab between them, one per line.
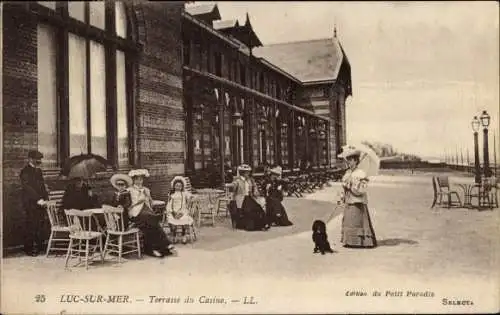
357	228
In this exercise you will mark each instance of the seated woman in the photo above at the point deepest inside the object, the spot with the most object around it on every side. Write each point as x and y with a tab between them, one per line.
177	208
78	195
275	211
121	197
141	213
246	212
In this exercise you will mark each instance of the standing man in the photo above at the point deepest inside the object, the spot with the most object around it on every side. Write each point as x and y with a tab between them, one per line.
34	199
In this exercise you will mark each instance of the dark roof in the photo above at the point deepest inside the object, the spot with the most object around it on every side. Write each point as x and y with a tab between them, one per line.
312	60
205	11
225	24
244	33
248	34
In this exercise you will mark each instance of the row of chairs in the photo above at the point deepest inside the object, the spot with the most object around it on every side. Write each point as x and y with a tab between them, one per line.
73	233
298	183
77	237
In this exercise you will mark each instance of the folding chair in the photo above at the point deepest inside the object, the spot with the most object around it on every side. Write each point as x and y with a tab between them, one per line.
117	238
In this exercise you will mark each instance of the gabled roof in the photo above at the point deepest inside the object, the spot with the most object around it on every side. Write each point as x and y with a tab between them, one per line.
248	35
311	60
206	11
222	25
244	33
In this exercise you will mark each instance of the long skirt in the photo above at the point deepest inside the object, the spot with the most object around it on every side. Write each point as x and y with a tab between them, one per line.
154	236
250	217
276	213
357	228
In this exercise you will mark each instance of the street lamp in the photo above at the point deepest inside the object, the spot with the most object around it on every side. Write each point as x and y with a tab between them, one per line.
485	121
477	170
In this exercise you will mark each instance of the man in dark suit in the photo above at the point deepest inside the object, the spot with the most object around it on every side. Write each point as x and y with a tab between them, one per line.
34	199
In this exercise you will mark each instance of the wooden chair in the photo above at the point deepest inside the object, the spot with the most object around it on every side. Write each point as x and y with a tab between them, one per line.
59	230
222	204
80	227
443	185
56	196
117	237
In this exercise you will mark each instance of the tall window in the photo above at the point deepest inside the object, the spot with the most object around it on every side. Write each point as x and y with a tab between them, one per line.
218	64
83	80
47	96
243	74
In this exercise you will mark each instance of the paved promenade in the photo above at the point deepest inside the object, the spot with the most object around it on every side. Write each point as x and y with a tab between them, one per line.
426	259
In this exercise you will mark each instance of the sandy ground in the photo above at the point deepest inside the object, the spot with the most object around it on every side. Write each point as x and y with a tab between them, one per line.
442	253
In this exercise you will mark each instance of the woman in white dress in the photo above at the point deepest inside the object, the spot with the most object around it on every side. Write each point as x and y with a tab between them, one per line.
177	208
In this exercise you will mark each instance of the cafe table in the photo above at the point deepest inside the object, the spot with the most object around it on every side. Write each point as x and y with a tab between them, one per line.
467	189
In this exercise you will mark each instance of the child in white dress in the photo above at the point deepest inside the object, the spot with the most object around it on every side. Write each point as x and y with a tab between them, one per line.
177	208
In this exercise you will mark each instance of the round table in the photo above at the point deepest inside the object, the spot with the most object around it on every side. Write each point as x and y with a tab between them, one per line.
467	188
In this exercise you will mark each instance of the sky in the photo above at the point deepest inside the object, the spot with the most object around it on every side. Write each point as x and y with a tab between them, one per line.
420	71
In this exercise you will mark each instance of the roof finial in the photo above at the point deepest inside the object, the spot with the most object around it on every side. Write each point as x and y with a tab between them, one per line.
335	30
247	21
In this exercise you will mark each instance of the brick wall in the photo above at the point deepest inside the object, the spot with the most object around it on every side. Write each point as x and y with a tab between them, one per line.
159	110
19	110
160	113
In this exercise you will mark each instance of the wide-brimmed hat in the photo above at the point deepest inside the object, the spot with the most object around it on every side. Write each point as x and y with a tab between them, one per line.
178	179
276	170
348	152
244	168
34	154
139	172
117	177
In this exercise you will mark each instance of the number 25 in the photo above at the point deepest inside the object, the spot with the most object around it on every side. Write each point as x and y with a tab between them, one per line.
40	298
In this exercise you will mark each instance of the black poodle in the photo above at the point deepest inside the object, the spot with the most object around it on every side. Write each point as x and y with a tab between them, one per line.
320	238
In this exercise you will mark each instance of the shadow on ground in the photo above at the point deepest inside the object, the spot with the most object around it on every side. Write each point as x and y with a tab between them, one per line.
302	212
396	242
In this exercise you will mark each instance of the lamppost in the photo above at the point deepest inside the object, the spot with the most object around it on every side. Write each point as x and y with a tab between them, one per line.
485	121
477	170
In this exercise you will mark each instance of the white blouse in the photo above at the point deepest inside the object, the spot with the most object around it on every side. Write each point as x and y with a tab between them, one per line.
140	196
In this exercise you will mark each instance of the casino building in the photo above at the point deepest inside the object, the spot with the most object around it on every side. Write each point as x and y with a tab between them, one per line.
168	86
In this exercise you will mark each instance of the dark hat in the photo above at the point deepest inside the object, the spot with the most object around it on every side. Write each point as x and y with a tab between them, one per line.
34	154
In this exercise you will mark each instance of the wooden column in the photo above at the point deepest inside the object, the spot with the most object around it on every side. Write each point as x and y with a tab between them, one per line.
318	144
222	141
291	141
306	140
188	102
277	154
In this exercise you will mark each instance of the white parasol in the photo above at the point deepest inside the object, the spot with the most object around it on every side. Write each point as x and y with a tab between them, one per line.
369	161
